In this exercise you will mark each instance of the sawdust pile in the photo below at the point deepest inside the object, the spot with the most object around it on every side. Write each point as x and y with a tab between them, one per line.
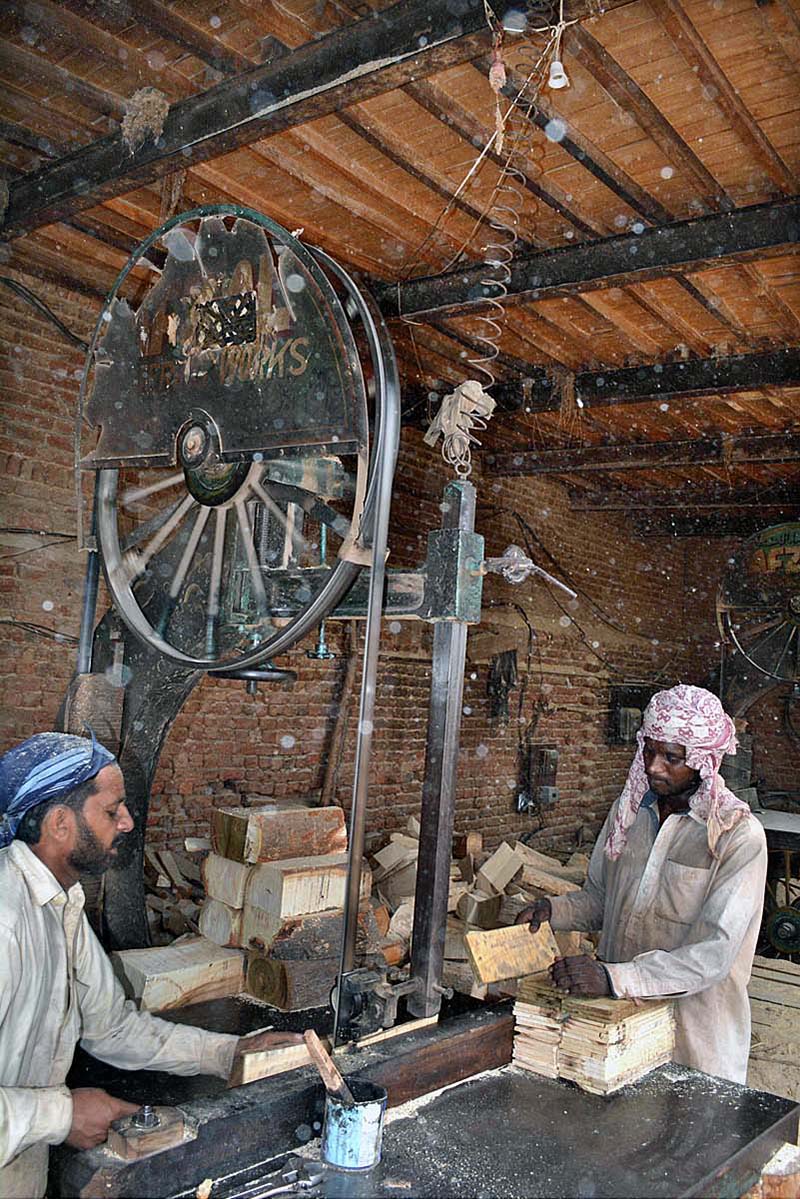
146	113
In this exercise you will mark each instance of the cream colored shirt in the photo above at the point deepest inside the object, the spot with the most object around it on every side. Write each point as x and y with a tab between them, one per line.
677	922
57	987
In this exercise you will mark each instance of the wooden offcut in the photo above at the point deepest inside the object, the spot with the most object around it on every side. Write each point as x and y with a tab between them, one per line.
499	870
188	971
292	986
271	832
501	953
221	924
548	884
481	910
127	1141
265	1063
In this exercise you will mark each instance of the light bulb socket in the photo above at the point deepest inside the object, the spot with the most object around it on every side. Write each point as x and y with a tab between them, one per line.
558	76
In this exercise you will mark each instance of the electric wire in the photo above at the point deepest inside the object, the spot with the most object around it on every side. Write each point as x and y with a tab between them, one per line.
35	302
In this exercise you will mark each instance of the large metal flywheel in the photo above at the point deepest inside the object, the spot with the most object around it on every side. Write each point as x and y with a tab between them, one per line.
242	408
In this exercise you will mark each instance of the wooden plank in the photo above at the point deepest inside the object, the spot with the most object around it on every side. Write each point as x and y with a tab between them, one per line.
780	964
273	831
510	952
549	884
774	992
265	1063
188	971
719	88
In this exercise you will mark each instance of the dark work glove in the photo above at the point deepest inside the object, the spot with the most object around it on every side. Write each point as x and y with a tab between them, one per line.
536	914
580	975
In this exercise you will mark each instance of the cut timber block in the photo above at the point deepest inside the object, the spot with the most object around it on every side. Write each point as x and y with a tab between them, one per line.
393	856
454	947
399	886
300	886
548	884
510	952
480	910
499	870
221	923
274	831
129	1142
225	879
171	976
292	986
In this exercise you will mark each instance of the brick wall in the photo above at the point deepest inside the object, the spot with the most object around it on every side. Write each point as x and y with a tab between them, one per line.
644	612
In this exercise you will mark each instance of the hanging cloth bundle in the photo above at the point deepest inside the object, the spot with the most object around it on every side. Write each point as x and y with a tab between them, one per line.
468	407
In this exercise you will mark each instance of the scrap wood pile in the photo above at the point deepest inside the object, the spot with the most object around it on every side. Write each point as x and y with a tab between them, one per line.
774	990
600	1044
270	923
173	892
487	891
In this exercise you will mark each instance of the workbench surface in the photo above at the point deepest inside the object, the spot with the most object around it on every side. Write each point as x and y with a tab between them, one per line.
512	1135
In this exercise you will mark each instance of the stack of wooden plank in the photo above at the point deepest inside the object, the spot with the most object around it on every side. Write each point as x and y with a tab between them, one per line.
600	1044
497	887
774	990
275	883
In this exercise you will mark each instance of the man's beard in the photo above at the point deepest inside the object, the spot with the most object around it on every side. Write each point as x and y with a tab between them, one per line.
89	857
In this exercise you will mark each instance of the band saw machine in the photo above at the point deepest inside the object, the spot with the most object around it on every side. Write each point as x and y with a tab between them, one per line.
240	418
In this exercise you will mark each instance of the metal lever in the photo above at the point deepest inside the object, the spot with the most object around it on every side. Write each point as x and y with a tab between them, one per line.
515	566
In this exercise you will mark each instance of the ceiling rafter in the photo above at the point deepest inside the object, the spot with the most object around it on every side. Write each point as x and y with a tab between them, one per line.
16	62
773	495
741	449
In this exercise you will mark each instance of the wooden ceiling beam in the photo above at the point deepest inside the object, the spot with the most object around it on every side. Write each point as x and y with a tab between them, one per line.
697	54
411	39
625	91
756	448
775	495
742	523
627	258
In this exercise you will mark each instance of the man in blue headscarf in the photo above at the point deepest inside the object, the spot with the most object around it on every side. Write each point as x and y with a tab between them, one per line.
63	814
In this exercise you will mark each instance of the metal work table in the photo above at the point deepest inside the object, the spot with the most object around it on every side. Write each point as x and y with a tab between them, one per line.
503	1132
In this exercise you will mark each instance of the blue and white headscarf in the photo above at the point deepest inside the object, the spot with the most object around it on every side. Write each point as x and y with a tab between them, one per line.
43	767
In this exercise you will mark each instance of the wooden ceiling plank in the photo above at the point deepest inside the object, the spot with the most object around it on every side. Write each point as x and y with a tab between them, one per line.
608	306
16	62
786	316
632	98
88	35
700	58
474	133
727	496
691	454
628	258
671	319
360	60
169	24
714	307
589	155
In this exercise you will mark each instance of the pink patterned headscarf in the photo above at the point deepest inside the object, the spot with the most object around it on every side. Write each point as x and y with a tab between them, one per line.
695	719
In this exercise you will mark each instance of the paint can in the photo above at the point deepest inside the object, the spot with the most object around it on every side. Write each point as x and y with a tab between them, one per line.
352	1132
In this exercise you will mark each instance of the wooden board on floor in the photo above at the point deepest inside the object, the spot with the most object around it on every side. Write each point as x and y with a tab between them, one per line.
510	952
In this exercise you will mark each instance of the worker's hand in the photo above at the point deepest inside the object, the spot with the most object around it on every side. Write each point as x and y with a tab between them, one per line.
536	914
92	1112
267	1040
580	975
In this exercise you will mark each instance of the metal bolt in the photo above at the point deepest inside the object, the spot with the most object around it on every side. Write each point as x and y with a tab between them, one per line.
194	441
146	1117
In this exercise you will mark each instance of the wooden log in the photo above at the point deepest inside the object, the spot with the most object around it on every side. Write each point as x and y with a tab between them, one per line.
221	924
510	952
292	986
275	831
300	886
298	938
499	870
170	976
225	880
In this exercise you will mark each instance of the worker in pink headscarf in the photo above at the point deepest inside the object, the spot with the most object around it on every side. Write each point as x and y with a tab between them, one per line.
675	886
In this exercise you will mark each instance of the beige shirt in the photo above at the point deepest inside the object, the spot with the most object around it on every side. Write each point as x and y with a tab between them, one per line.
677	922
57	987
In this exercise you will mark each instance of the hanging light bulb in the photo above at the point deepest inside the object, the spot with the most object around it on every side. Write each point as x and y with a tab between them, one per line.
558	77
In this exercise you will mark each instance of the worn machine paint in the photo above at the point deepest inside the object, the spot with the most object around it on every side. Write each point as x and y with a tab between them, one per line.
352	1133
